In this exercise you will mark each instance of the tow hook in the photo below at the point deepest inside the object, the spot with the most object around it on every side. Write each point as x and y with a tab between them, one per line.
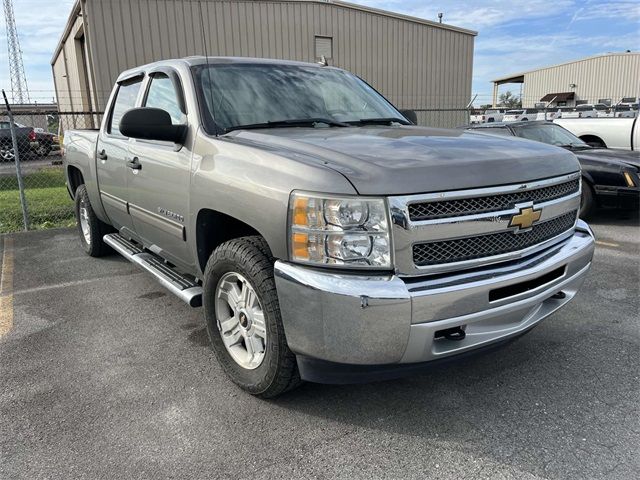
455	333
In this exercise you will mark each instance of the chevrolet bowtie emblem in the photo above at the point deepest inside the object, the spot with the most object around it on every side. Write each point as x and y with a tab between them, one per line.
525	218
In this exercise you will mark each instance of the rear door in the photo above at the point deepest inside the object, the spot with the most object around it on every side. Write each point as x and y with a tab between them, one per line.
112	153
159	189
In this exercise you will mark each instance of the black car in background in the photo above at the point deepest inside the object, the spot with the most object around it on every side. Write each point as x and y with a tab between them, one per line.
25	136
32	142
610	178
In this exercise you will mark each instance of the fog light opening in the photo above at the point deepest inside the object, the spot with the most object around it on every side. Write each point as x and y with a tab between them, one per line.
559	296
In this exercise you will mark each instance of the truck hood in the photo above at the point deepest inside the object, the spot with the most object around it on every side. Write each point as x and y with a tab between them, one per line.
622	157
390	160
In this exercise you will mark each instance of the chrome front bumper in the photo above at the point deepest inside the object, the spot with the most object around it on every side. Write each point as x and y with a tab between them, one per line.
378	320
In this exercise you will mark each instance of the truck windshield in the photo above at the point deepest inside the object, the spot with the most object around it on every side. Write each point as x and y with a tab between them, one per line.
551	134
272	96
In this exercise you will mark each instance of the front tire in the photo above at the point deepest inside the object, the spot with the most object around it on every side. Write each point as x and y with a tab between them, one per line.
587	202
243	318
91	228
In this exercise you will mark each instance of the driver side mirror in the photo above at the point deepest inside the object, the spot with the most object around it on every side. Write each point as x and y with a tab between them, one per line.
410	115
151	124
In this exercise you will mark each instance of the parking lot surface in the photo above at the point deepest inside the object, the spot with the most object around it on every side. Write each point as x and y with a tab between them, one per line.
29	165
104	374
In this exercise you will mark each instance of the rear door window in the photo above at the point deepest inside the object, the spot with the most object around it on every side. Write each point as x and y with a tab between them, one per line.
125	100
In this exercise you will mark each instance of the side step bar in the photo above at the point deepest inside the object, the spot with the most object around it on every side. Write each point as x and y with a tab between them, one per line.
181	286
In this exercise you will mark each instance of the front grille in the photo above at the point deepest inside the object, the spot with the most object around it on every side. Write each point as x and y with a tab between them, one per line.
492	203
462	249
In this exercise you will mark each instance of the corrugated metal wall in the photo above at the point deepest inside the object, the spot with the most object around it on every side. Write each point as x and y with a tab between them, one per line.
67	70
415	65
612	76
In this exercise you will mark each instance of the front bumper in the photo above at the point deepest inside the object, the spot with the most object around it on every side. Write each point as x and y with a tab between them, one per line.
626	198
384	320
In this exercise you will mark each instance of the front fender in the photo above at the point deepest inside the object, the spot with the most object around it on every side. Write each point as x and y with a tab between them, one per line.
253	186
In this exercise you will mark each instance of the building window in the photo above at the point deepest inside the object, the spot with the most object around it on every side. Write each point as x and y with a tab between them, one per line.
562	104
324	47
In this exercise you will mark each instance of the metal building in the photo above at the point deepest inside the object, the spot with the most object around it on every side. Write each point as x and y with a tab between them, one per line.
415	63
598	79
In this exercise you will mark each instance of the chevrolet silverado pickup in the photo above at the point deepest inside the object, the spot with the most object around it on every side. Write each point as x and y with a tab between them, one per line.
326	237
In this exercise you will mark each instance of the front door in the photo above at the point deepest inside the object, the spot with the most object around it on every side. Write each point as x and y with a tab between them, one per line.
159	179
112	153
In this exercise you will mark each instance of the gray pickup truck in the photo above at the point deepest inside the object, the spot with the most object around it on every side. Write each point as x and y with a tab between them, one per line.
327	237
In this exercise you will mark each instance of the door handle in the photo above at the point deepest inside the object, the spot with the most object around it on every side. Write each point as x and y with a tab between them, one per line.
102	155
134	164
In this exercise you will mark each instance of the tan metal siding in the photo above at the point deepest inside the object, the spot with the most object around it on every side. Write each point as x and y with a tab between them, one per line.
612	76
415	65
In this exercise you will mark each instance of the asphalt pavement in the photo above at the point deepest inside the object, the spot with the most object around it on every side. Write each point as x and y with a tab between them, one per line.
104	374
29	165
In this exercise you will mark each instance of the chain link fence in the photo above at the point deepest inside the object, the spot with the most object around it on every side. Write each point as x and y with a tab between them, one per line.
33	194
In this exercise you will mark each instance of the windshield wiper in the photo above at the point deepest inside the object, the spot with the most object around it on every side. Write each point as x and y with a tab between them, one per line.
574	146
380	121
294	122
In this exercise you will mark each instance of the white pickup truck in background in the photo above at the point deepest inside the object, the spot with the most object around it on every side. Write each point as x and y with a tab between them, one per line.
623	133
524	115
487	116
582	111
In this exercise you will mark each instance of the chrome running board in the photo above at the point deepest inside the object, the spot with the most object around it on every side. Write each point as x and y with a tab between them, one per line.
183	287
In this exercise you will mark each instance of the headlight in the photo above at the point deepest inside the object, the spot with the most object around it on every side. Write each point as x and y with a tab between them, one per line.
339	231
629	179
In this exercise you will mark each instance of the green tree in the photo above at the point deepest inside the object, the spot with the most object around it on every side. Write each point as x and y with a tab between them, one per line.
509	100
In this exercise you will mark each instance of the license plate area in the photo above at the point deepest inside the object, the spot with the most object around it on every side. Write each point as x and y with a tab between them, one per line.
527	286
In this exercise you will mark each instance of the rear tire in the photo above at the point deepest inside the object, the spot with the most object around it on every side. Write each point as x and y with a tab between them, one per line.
91	228
43	150
587	202
271	368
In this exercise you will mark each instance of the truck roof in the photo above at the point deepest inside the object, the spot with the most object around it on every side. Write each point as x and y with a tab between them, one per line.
200	60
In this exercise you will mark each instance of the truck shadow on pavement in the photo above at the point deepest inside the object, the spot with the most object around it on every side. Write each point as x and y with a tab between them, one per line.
542	397
629	218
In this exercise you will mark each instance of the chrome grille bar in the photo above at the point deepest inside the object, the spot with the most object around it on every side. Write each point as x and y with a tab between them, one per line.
461	249
452	243
489	203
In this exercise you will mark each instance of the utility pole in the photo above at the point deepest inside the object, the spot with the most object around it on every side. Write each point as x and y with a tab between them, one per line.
19	89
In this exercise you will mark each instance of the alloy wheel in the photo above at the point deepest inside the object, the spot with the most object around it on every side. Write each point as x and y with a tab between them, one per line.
240	320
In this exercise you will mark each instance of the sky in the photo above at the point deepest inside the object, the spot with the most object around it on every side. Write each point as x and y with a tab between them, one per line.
513	36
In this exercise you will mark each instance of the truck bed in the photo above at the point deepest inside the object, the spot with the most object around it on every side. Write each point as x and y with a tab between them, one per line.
619	133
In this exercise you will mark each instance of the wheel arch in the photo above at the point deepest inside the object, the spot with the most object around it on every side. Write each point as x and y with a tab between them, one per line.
213	228
587	179
592	139
75	178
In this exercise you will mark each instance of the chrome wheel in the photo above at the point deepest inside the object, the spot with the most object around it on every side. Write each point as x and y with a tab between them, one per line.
43	150
84	223
241	320
6	153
